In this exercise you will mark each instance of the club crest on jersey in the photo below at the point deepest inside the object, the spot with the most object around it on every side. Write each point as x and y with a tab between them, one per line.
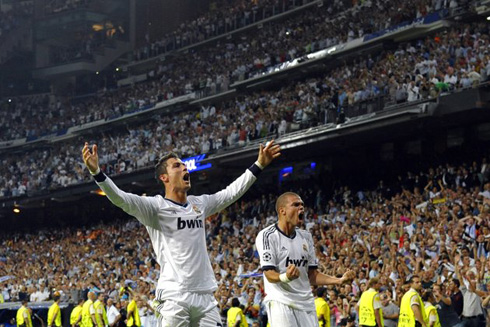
305	247
196	209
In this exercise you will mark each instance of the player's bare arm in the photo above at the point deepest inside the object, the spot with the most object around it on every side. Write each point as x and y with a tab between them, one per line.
317	278
292	273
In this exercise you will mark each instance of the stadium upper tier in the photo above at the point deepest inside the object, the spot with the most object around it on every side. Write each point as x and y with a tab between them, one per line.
211	69
453	60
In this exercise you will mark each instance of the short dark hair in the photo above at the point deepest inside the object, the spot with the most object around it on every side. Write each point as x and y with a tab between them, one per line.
161	165
281	200
410	280
235	302
320	292
456	282
426	295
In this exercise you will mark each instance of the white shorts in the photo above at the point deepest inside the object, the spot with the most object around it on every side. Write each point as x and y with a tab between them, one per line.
282	315
189	310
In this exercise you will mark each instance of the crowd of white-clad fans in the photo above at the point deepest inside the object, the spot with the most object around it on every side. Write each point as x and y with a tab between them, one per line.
453	60
422	223
214	68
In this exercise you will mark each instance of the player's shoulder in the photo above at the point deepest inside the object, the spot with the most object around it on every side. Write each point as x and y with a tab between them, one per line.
267	233
268	230
266	236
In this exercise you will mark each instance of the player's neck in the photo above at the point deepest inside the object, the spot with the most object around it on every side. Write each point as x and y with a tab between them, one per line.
286	228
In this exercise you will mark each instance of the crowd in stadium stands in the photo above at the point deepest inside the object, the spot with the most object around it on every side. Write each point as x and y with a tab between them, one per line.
213	69
454	60
424	224
223	17
12	18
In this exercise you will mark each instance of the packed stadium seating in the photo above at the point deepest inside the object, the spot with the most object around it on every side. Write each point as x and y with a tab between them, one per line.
423	219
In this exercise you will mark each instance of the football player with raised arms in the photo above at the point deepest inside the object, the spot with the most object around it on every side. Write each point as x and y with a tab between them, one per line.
175	224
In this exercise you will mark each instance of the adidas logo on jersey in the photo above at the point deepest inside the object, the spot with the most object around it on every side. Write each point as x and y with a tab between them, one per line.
189	223
296	262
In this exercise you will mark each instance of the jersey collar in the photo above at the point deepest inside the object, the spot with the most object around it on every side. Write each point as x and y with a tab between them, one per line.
183	205
290	237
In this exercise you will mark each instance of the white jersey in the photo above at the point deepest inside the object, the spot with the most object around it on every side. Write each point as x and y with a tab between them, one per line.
277	251
177	232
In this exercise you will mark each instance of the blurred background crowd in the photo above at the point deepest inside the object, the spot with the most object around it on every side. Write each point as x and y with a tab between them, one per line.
433	222
426	224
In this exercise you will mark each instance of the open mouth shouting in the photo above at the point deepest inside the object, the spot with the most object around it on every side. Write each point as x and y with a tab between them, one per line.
187	177
301	216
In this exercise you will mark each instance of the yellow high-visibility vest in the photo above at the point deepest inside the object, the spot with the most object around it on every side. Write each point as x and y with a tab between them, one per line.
86	317
322	310
366	309
21	320
54	315
432	309
104	321
75	314
407	318
134	319
231	317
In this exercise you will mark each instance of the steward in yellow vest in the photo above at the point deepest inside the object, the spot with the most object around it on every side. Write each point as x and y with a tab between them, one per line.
54	312
133	316
235	316
23	317
412	309
100	312
370	313
432	317
76	314
88	311
322	307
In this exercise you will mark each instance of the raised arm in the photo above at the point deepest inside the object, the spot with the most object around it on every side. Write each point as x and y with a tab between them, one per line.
235	190
143	208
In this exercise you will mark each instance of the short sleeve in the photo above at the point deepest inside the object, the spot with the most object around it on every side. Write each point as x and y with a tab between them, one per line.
432	316
414	300
312	259
377	302
265	247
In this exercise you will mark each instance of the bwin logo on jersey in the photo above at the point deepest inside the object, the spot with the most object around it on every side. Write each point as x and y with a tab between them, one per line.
190	223
297	262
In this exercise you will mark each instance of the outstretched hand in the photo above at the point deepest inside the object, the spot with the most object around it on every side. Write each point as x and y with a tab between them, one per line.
90	158
348	275
268	153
